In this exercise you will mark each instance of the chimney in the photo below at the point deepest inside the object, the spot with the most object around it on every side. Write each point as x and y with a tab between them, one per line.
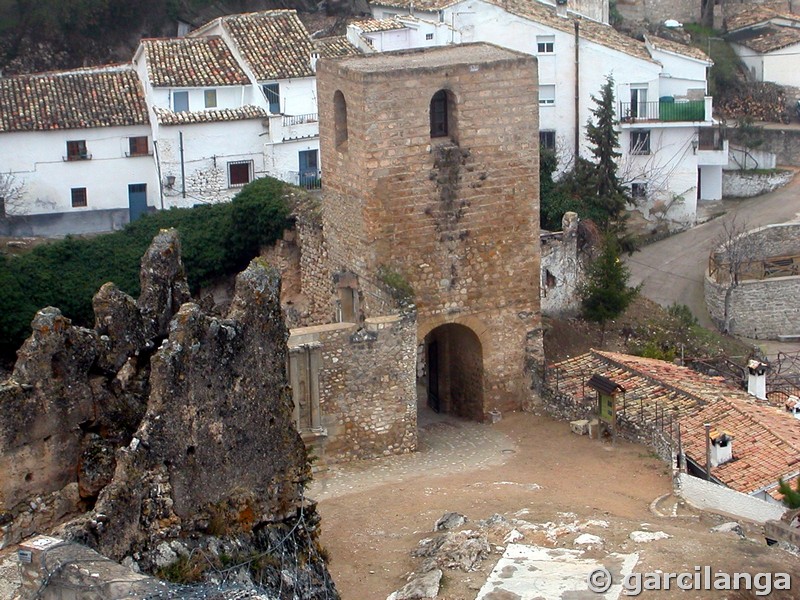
561	8
314	59
757	379
721	447
792	406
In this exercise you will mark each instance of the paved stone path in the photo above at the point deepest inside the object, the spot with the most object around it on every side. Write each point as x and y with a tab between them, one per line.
446	445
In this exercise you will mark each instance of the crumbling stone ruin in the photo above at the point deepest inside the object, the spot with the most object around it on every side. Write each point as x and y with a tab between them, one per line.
165	432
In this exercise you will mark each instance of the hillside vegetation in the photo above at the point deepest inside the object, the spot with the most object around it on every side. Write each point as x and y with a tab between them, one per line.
217	240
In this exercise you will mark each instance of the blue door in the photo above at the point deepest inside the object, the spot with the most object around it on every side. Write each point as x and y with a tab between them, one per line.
309	169
137	200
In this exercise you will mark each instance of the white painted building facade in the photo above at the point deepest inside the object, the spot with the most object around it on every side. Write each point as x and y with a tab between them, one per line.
189	122
671	157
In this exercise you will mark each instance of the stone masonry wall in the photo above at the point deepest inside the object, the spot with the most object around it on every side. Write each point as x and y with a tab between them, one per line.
315	277
657	11
367	386
743	184
761	309
456	216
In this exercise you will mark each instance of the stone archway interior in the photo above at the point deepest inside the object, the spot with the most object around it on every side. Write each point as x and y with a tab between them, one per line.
455	371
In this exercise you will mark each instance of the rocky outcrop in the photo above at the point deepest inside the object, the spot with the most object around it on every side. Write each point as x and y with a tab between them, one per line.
172	427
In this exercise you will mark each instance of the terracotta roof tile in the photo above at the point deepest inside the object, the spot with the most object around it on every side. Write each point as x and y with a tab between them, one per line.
103	97
766	444
192	62
167	117
423	5
275	43
375	25
766	39
738	17
677	48
333	47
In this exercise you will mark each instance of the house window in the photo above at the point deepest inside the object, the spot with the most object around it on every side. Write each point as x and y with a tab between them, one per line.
272	92
79	197
240	173
428	36
439	114
180	101
210	97
76	150
638	190
545	44
340	120
547	94
137	146
547	140
640	141
639	102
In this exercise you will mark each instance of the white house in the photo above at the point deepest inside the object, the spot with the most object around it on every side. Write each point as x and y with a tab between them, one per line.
206	119
78	145
672	155
768	43
190	121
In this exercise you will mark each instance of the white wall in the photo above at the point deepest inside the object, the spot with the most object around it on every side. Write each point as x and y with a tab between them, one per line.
781	66
670	171
207	149
751	60
710	496
298	96
282	160
38	162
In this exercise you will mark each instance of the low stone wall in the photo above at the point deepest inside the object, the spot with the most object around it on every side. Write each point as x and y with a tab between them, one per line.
746	184
366	385
761	309
711	496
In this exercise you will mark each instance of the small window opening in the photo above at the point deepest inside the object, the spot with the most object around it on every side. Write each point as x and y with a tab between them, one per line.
340	120
439	121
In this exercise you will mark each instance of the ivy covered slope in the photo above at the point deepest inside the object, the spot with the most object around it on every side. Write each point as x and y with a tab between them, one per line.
217	240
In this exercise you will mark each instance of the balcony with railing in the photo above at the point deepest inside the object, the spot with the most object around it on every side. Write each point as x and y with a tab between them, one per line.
293	127
665	111
310	179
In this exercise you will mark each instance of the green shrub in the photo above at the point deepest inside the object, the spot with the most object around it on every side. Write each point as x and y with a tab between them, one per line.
216	240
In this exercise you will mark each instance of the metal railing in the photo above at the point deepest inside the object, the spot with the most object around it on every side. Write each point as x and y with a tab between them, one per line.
289	120
309	180
634	112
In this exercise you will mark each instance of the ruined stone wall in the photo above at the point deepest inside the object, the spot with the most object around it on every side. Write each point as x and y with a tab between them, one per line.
456	217
563	269
658	11
315	274
367	386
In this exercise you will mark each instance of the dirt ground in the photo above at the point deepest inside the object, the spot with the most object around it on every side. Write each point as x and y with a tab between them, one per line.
375	512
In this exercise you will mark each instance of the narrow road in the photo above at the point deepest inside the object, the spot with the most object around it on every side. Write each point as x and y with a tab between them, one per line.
673	269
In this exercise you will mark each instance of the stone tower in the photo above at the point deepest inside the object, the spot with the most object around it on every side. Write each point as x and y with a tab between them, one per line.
430	171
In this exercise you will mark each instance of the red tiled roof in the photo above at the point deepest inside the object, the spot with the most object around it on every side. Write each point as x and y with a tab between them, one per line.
168	117
666	45
333	47
192	62
375	25
274	43
766	440
103	97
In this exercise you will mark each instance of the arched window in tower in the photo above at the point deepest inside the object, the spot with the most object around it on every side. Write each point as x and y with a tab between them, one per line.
340	120
439	114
